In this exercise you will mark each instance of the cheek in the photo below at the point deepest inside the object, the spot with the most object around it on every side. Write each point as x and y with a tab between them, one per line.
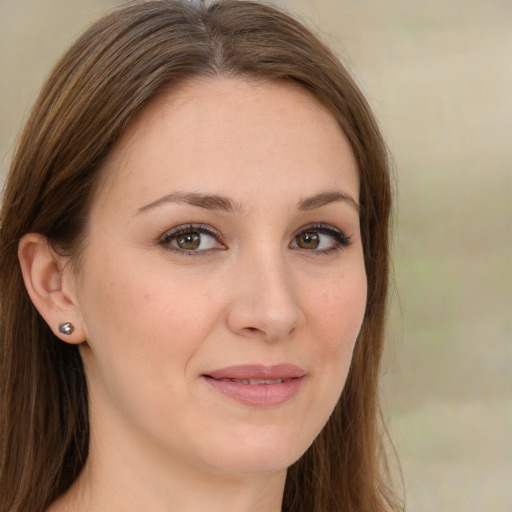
145	315
142	330
338	310
335	316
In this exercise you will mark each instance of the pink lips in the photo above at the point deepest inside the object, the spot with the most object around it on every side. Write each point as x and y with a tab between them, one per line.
258	385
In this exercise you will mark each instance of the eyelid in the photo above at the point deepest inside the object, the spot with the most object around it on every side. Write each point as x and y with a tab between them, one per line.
182	229
187	228
340	238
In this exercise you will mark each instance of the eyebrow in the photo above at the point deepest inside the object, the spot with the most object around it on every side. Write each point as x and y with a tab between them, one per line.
226	204
325	198
206	201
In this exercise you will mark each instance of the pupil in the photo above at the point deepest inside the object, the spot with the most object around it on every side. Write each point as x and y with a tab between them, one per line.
309	240
189	241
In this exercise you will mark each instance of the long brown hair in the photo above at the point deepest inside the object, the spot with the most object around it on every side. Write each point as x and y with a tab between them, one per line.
106	77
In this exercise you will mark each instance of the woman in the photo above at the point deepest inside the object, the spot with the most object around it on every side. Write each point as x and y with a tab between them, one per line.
193	265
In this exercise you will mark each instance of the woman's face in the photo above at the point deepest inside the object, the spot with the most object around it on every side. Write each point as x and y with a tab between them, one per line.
223	284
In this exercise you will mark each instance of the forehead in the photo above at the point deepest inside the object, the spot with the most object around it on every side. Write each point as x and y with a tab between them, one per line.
224	134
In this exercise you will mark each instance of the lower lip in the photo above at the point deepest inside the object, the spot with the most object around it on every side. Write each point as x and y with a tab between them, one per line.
258	395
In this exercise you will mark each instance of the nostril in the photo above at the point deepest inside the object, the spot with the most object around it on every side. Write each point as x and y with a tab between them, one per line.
255	330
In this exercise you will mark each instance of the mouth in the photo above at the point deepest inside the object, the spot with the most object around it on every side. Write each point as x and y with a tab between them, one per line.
257	385
254	382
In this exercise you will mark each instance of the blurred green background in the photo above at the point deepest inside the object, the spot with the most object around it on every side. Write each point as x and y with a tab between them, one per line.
439	77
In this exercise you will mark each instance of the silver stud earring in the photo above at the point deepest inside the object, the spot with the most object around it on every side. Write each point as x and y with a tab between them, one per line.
66	328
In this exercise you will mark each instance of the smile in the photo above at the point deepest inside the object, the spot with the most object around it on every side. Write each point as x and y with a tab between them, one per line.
253	382
257	385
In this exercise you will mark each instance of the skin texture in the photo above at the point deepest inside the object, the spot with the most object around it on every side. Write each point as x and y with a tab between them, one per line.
153	319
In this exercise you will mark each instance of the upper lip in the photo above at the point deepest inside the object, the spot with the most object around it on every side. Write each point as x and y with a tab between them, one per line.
258	371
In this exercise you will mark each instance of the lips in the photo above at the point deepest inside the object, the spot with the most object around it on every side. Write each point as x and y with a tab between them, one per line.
253	382
257	385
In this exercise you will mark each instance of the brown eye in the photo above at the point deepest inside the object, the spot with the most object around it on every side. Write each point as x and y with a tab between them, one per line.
308	240
320	239
189	241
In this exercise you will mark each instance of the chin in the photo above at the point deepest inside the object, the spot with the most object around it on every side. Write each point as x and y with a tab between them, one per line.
258	453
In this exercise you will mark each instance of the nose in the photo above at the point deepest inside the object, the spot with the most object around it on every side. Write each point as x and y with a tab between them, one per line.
264	301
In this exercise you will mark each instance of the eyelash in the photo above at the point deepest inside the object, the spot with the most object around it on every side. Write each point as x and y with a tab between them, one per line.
341	240
174	233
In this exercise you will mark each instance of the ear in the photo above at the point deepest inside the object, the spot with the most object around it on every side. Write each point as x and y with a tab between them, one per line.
55	300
